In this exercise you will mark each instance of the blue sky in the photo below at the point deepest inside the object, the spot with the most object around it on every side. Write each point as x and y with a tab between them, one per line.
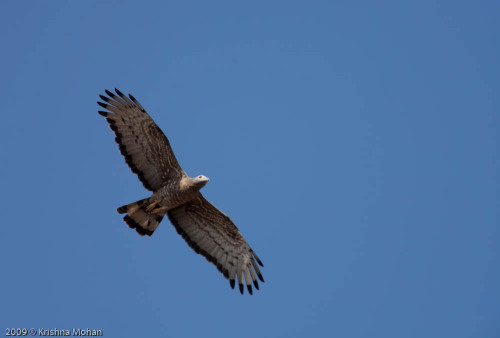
354	144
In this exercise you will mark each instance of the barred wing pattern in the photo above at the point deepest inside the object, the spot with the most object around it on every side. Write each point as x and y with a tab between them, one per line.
212	234
205	228
146	149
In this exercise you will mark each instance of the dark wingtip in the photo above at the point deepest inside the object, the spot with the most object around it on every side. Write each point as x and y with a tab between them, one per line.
104	98
256	284
249	287
122	209
103	113
104	105
241	288
137	104
231	282
261	278
110	93
256	258
118	92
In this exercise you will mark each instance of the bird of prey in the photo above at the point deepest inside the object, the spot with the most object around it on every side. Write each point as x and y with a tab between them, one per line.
205	228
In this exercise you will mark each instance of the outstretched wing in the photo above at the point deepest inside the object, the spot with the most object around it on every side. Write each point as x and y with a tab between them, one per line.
212	234
145	148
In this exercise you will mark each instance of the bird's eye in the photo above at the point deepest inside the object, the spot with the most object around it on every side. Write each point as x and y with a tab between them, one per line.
199	176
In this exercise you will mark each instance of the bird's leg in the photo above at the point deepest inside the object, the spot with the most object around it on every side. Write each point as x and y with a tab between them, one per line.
160	211
156	208
150	207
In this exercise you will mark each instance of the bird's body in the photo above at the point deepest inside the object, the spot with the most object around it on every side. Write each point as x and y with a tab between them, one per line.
145	215
205	228
178	192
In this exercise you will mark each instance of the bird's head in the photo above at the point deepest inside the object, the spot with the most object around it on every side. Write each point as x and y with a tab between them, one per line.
200	181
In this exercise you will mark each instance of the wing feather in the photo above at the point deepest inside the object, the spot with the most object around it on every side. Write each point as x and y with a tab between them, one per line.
146	149
257	270
212	234
240	280
247	277
254	277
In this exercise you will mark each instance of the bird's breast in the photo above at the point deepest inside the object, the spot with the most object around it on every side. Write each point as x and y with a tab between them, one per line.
171	196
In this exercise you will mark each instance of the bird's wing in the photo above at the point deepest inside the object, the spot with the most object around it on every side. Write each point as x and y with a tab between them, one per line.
145	148
212	234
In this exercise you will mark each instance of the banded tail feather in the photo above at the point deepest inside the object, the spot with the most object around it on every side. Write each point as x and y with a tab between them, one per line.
144	216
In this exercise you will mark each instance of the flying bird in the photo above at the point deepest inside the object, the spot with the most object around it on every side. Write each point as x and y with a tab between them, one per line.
206	229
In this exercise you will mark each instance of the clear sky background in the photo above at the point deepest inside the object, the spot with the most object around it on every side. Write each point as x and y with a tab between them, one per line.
354	144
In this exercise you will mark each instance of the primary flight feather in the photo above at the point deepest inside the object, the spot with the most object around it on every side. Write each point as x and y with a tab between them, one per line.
205	228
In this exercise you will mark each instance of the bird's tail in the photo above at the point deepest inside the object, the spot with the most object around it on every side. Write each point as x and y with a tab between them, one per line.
144	216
